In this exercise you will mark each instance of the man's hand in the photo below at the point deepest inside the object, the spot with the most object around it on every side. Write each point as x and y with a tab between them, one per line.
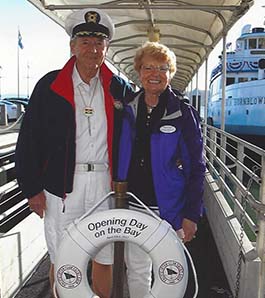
190	228
38	204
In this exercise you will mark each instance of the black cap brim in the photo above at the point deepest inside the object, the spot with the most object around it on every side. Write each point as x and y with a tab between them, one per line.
90	29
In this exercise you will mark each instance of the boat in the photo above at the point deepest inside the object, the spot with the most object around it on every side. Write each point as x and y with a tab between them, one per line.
245	86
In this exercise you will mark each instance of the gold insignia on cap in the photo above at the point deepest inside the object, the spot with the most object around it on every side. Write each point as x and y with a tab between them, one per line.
92	17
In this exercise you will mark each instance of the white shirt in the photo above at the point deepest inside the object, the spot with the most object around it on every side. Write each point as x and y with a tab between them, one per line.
91	132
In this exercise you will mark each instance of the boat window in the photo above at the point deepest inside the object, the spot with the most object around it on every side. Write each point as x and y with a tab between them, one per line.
257	52
252	43
239	45
230	81
253	79
246	44
241	80
215	87
261	43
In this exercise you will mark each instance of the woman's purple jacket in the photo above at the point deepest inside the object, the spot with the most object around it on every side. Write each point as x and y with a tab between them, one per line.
178	166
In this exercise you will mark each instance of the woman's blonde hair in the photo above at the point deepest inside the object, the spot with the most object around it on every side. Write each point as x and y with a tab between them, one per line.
157	51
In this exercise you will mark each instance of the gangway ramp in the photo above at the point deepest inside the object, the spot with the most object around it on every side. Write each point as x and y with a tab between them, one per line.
229	161
24	263
191	29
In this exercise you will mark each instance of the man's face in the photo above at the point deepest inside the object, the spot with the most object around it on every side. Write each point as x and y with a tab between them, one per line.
90	52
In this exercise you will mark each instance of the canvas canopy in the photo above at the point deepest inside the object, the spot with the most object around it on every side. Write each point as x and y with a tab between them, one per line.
190	28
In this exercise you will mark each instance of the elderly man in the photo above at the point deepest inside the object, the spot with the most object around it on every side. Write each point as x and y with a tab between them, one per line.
64	149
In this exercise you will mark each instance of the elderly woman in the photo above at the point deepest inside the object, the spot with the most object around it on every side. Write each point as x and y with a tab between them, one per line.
160	155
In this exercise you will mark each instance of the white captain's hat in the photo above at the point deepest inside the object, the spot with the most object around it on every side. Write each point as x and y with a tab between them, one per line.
89	22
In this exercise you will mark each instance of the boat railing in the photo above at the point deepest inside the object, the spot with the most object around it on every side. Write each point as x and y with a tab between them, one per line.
236	177
22	244
13	207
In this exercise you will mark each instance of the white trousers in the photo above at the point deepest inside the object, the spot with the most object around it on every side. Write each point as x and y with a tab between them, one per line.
89	188
139	266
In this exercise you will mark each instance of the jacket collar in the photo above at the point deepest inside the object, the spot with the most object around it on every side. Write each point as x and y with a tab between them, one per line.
172	110
172	103
63	84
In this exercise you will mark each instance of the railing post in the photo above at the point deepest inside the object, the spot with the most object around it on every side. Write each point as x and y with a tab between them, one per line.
261	235
212	145
239	173
223	144
120	189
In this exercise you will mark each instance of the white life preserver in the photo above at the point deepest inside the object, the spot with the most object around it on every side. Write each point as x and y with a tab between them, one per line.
85	238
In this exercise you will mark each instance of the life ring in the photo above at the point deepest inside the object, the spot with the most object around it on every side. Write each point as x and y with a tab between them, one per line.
85	238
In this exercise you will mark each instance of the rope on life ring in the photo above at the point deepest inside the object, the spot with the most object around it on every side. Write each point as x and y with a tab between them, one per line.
86	237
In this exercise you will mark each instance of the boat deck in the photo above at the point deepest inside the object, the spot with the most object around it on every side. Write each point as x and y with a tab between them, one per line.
211	276
227	156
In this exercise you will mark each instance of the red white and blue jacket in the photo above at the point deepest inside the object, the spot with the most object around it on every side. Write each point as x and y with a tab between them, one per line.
45	151
177	137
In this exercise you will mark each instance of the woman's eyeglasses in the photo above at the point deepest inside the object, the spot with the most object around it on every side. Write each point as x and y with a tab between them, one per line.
150	68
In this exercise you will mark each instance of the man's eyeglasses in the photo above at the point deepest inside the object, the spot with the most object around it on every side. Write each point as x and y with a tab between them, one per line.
150	68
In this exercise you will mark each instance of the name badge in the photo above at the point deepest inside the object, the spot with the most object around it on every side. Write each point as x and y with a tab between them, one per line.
167	129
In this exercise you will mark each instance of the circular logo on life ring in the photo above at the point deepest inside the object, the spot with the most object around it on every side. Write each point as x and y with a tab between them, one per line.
69	276
171	272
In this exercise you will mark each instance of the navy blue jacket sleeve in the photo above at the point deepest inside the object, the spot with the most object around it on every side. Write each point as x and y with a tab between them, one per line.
120	89
122	92
29	155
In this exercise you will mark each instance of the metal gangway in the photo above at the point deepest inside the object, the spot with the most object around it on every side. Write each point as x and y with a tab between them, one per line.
234	203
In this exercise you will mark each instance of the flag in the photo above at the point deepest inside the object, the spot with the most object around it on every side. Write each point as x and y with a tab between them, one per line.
20	40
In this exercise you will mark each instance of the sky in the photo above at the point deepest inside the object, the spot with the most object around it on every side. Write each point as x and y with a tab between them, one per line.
46	44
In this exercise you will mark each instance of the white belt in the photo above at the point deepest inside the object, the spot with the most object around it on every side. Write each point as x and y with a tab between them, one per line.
91	167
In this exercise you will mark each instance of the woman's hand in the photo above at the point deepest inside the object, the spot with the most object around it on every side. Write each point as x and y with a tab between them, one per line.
37	204
189	228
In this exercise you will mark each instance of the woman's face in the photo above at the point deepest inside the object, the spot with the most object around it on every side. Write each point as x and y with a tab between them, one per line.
154	75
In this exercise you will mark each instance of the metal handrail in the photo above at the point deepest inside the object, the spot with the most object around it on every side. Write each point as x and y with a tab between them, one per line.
11	204
239	164
256	204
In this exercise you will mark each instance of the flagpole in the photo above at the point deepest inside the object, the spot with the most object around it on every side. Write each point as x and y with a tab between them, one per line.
1	82
18	65
28	80
19	46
